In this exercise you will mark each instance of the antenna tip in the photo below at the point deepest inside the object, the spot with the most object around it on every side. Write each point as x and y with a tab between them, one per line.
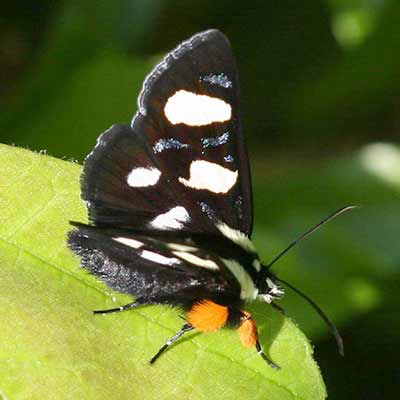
339	341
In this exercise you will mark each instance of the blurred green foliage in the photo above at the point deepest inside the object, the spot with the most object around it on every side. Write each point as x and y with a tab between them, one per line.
320	86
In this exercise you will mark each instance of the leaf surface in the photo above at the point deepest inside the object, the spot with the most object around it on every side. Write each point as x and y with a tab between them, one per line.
52	346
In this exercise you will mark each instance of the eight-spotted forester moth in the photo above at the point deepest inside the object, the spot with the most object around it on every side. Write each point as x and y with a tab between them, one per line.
170	201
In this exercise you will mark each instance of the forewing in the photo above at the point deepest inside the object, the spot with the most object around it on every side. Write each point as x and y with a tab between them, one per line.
184	149
121	183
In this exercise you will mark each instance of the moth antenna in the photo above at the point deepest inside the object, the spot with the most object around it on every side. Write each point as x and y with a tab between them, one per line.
309	232
318	309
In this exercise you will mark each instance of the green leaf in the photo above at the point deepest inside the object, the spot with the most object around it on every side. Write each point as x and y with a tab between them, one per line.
52	346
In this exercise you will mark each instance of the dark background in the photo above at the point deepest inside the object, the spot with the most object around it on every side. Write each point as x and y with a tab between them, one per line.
320	87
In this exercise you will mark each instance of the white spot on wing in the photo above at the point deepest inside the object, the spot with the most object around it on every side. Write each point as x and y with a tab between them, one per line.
158	258
210	176
181	247
142	177
196	109
135	244
173	219
248	290
201	262
237	237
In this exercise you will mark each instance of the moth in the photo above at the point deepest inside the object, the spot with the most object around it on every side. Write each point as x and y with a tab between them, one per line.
169	199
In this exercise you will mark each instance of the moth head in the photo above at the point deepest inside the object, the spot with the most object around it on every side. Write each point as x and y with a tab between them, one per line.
269	290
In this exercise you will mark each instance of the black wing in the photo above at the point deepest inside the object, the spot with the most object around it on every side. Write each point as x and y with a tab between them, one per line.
152	269
183	160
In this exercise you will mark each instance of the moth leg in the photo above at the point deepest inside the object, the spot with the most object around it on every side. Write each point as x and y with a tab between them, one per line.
264	356
249	336
172	340
128	306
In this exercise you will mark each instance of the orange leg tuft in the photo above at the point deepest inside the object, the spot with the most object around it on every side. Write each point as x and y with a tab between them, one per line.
207	316
248	330
249	337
